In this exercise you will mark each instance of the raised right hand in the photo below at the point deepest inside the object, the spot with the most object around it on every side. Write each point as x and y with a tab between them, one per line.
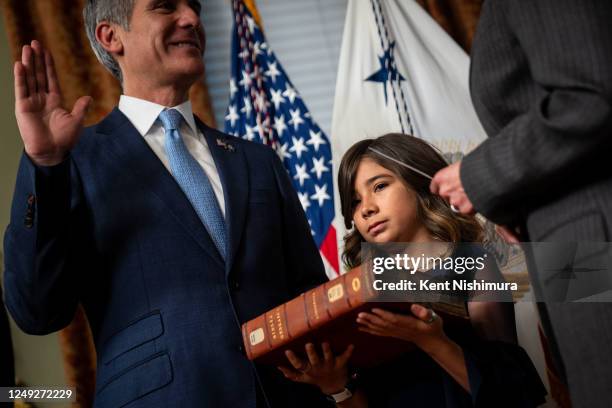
48	130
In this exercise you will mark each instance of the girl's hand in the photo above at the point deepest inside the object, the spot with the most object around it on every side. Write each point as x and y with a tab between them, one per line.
329	373
425	329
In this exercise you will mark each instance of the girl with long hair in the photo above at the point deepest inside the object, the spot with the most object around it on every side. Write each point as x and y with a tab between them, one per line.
385	197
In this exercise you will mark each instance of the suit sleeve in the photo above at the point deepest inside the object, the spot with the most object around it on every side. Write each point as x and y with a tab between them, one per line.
497	368
40	247
568	48
304	264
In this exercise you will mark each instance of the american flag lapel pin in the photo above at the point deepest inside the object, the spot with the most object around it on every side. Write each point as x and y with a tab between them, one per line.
226	146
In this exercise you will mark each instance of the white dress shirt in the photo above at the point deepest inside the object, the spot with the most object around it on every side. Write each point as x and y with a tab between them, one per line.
144	116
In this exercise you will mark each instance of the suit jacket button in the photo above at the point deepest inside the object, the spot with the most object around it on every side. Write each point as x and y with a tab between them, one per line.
234	285
241	349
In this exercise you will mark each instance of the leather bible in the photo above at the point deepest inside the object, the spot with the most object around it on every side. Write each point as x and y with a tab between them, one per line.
328	313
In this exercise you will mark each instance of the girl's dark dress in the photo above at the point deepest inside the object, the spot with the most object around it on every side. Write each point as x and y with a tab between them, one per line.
500	375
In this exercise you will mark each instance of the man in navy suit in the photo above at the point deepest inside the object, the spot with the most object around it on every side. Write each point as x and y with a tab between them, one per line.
107	216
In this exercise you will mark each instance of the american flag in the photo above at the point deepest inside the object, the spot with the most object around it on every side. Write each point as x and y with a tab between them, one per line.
265	107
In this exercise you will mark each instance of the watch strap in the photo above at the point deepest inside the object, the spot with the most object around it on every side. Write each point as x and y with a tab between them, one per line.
340	396
349	390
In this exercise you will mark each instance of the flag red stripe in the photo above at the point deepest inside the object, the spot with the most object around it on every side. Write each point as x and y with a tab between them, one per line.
329	249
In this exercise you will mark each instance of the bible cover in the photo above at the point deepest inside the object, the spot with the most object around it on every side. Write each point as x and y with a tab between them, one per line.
328	313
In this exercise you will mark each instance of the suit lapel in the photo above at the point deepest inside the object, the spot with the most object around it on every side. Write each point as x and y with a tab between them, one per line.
231	164
135	154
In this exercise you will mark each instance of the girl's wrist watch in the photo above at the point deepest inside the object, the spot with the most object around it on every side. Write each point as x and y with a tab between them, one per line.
346	393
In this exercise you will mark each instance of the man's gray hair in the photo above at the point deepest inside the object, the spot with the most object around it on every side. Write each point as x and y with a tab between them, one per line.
113	11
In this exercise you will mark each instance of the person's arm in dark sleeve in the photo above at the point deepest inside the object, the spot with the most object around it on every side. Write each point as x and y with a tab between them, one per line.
40	247
568	48
500	372
304	265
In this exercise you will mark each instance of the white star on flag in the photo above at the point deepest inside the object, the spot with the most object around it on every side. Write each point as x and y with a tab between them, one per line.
233	88
257	48
251	23
321	194
318	166
272	71
243	54
298	147
246	80
282	152
232	115
290	93
304	200
296	119
247	106
279	125
301	174
250	132
316	140
277	98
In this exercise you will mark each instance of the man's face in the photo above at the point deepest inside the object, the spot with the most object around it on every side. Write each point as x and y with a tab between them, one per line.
165	43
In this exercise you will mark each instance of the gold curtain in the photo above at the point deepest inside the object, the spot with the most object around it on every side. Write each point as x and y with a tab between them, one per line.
58	25
457	17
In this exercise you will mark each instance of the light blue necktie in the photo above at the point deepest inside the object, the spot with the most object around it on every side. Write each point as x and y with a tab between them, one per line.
193	180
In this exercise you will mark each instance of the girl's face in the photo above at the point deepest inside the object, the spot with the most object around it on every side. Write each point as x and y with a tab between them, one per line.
385	208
